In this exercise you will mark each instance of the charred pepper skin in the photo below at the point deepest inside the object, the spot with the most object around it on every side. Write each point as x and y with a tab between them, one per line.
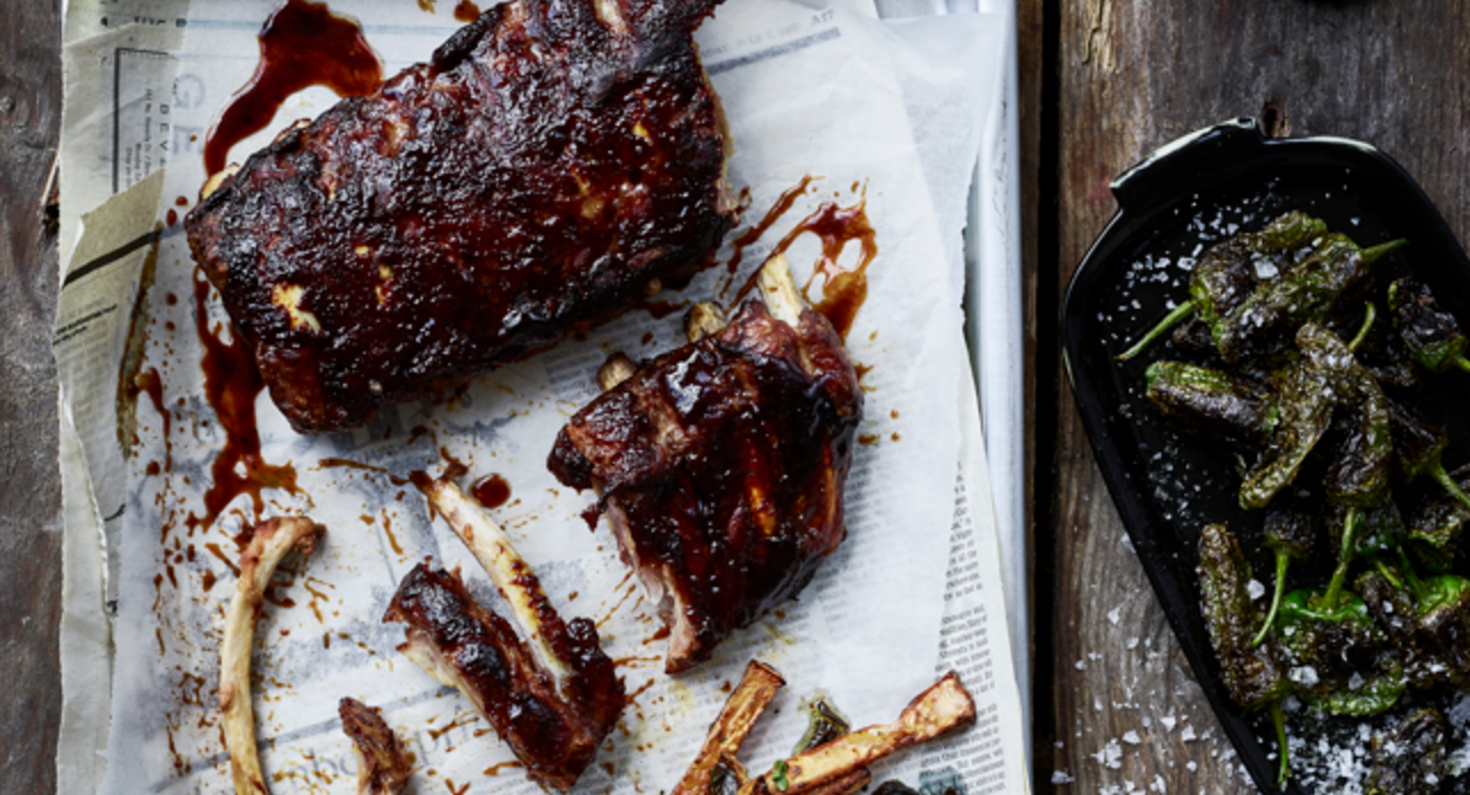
1306	292
1418	445
1228	272
1361	469
1428	622
1411	759
1306	405
1290	533
1433	336
1435	527
1254	676
1213	404
1338	644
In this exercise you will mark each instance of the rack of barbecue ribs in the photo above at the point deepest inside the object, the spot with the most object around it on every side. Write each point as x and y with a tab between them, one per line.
551	697
721	465
554	161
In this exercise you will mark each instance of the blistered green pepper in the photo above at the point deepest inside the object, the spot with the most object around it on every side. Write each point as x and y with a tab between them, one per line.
1306	292
1306	404
1341	647
1230	271
1290	533
1358	533
1433	336
1418	445
1254	675
1434	528
1213	404
1360	470
1410	760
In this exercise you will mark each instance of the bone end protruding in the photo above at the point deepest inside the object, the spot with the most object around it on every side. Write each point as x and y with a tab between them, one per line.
778	290
617	369
704	319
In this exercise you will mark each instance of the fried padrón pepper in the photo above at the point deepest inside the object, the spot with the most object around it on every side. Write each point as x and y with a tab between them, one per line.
1231	270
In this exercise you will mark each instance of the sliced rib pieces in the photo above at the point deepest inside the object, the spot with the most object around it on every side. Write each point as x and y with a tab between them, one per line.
552	698
721	468
552	160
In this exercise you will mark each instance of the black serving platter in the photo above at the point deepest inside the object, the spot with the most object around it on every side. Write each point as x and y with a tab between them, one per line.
1173	206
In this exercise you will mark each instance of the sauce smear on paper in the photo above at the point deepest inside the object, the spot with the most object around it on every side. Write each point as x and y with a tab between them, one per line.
843	290
302	44
466	11
231	383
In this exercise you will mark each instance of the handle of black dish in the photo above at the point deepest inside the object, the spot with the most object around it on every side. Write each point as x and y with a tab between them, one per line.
1196	159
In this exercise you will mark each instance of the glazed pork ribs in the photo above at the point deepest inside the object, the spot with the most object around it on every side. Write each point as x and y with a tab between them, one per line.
552	162
721	465
551	697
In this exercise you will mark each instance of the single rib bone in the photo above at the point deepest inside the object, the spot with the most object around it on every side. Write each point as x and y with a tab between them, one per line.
269	544
744	706
778	291
507	569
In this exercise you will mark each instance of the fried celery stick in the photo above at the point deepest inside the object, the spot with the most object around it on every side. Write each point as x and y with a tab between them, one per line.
744	706
946	706
270	542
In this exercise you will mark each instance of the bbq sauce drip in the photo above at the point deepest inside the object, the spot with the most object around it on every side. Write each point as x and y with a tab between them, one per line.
302	44
781	207
492	491
844	290
231	383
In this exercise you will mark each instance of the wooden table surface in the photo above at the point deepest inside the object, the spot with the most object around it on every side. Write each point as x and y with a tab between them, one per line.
1103	83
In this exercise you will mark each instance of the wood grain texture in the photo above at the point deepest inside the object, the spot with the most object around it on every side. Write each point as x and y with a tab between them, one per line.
30	485
1131	77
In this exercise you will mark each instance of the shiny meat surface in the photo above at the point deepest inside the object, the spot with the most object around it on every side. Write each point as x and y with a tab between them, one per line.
721	466
383	764
551	160
552	726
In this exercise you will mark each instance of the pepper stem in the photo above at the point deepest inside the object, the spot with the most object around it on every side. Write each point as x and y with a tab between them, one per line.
1282	559
1170	320
1437	472
1278	718
1388	574
1371	254
1369	316
1344	558
1461	362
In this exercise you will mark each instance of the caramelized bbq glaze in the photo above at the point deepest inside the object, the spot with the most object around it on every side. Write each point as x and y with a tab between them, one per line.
553	158
721	465
552	727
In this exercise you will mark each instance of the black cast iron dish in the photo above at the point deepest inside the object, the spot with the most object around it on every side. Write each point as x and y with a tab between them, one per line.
1173	206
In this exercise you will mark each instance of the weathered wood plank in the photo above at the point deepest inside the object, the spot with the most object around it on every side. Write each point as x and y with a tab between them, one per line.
1133	76
30	488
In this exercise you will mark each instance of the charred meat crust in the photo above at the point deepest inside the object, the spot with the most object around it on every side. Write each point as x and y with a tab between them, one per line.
383	764
722	465
553	731
552	159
